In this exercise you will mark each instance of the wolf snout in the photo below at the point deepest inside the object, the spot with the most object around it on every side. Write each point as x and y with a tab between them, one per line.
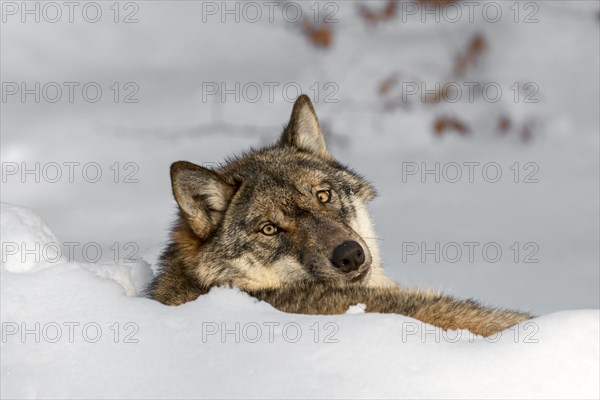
348	256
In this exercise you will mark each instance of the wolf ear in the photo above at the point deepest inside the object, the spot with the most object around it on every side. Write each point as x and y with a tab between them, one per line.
202	195
303	131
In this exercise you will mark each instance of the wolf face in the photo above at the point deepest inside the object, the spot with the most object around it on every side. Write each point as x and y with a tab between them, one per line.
272	217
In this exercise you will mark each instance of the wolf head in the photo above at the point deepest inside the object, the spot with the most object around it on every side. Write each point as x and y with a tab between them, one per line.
278	215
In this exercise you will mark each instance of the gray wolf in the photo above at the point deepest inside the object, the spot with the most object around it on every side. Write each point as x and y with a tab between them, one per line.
289	225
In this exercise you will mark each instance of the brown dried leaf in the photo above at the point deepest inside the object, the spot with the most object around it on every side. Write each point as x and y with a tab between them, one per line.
436	2
475	49
386	85
387	13
443	124
504	124
320	35
526	134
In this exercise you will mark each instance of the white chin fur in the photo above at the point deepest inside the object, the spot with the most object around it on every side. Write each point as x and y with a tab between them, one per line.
364	227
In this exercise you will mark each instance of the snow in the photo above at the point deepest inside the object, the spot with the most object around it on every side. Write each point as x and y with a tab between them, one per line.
83	331
170	53
32	244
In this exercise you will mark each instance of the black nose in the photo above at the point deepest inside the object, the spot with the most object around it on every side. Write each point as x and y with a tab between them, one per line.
348	256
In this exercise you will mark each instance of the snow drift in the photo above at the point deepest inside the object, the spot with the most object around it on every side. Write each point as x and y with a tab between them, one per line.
72	330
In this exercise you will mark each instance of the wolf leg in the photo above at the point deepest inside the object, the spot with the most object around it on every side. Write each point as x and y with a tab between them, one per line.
449	313
430	307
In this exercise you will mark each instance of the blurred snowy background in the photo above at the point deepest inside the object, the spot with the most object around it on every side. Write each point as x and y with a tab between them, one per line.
494	83
478	122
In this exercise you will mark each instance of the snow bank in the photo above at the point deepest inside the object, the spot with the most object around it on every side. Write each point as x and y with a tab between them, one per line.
75	331
28	244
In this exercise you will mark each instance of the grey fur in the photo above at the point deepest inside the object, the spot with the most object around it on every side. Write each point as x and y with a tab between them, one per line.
309	204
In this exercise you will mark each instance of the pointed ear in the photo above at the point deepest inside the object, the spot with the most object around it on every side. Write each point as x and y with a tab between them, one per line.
202	195
303	131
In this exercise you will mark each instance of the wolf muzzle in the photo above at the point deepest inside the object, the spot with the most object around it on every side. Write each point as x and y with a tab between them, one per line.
348	256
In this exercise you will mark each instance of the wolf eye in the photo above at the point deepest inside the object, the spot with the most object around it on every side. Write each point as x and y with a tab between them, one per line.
324	196
269	230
